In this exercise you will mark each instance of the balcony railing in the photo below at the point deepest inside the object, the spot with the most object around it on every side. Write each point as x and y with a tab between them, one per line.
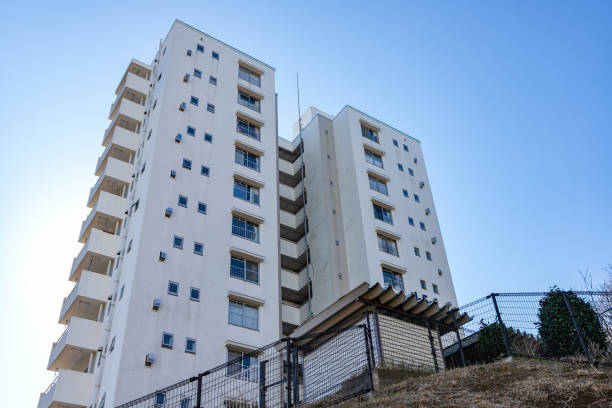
245	233
250	131
249	102
389	248
249	77
246	274
69	299
244	161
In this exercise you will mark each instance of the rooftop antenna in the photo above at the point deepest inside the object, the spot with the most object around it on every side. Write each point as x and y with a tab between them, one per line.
301	143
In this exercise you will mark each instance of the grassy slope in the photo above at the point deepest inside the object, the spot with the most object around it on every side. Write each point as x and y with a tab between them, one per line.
515	384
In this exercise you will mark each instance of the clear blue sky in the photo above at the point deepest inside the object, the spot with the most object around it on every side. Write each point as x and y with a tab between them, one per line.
513	106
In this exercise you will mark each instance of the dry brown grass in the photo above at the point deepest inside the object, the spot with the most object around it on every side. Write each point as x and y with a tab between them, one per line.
514	384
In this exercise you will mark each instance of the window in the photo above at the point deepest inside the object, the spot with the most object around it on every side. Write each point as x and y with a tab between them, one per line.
405	148
182	201
208	137
215	55
195	101
400	167
160	399
435	289
395	143
249	76
416	198
149	134
417	251
212	80
201	207
411	221
382	214
205	171
246	159
422	225
373	158
439	272
242	365
197	73
247	128
200	48
210	107
190	345
393	279
198	248
194	294
191	131
428	255
244	269
246	192
167	342
378	185
243	315
185	402
405	192
112	345
410	171
249	101
369	133
387	245
177	242
245	229
129	248
173	288
121	292
187	164
423	284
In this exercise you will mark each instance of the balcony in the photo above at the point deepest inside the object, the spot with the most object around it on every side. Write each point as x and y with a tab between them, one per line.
115	178
133	100
84	301
122	146
120	121
294	286
293	316
68	389
135	80
97	255
73	350
106	215
293	254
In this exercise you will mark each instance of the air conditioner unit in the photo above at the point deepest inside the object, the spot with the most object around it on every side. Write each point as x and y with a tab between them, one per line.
156	303
168	212
178	138
186	78
189	53
434	240
421	184
162	256
427	211
149	359
173	173
182	106
415	160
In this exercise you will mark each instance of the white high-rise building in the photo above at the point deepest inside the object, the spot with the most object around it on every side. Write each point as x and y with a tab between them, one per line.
195	250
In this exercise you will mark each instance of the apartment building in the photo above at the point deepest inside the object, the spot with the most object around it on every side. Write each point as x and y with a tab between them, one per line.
206	228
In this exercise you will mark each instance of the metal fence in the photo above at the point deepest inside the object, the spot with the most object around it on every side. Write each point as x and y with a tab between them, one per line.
323	369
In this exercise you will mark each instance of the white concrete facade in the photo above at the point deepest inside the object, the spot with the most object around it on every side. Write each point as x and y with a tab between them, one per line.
197	195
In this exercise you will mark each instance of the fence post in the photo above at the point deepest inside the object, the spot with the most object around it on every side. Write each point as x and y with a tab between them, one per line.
369	338
458	340
296	376
365	338
571	312
199	396
288	346
381	359
502	328
431	344
262	383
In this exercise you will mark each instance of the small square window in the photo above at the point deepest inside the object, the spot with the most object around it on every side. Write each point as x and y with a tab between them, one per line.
191	131
195	101
173	288
210	107
410	171
400	167
197	73
422	225
416	198
405	192
435	289
423	284
198	248
168	342
428	255
215	55
411	221
201	207
194	294
405	148
187	164
208	137
417	251
200	48
395	143
205	171
190	345
177	242
213	80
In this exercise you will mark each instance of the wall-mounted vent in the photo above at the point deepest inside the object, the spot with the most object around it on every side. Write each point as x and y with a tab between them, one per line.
149	359
182	106
156	303
169	212
162	256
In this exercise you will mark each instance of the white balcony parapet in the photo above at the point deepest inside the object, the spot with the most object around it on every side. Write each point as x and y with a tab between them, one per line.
131	94
69	388
116	125
291	193
291	220
294	315
292	280
99	245
93	289
116	170
121	138
128	108
289	168
292	249
81	335
109	205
